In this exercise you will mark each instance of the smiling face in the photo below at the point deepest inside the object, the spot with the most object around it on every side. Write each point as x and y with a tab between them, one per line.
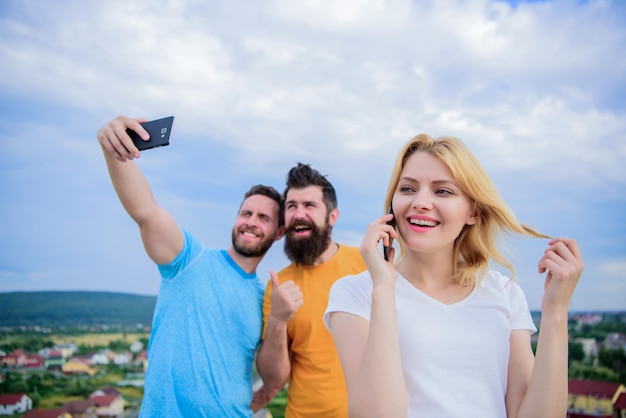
430	208
308	224
256	227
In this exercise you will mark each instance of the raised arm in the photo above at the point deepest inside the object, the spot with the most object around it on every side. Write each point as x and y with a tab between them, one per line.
273	359
370	351
538	387
162	238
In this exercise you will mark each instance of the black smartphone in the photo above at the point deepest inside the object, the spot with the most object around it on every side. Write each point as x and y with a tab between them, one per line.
159	130
392	222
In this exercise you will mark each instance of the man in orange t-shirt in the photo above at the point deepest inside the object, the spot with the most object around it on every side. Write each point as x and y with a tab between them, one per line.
297	346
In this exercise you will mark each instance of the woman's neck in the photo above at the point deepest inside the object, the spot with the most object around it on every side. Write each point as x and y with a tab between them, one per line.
432	275
426	272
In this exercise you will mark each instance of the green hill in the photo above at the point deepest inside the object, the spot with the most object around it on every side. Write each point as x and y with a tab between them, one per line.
74	308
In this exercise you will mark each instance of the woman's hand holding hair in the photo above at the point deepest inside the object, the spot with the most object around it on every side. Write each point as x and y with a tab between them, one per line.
541	382
564	264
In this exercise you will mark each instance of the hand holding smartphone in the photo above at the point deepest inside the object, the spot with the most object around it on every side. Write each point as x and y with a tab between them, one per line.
392	223
159	131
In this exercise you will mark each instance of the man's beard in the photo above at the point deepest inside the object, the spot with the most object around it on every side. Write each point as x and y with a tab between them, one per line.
257	250
306	250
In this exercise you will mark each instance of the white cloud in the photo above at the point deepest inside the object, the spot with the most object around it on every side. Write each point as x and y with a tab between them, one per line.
535	90
615	269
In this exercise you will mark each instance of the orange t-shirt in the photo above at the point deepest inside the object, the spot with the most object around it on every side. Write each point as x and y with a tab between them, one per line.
316	386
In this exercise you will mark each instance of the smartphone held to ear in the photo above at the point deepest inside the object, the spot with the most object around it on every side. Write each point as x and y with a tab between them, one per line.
392	223
159	131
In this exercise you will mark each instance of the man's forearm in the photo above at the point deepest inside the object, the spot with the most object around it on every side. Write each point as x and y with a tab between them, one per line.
273	362
132	187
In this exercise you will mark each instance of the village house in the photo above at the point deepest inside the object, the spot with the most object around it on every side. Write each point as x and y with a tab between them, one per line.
47	413
108	406
54	360
586	319
587	398
106	391
78	366
590	348
67	349
80	409
101	358
615	341
15	359
15	403
142	360
123	358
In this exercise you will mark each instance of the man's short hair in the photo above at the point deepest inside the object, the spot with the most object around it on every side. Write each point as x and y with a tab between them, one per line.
302	175
272	193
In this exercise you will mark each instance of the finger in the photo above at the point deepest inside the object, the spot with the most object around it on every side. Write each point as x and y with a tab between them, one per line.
550	261
125	141
111	143
111	136
547	265
292	291
571	245
135	125
392	254
121	140
274	278
104	141
564	255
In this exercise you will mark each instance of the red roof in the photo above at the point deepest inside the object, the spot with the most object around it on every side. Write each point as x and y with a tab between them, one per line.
104	400
621	401
34	361
108	390
11	398
44	413
599	390
77	407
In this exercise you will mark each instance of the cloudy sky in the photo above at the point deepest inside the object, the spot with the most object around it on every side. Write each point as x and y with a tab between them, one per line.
536	89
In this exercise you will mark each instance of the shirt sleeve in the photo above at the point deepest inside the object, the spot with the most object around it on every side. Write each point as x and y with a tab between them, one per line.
520	313
350	294
191	249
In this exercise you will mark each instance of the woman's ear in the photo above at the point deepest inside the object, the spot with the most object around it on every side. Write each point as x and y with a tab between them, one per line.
474	215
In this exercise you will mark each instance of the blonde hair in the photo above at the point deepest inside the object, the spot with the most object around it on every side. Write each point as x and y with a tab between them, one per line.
476	244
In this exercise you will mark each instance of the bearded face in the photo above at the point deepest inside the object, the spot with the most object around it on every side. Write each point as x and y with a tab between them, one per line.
248	248
305	241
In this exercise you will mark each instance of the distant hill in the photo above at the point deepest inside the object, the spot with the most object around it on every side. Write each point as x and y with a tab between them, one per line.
75	308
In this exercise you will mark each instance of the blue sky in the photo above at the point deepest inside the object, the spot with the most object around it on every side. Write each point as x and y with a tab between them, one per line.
536	89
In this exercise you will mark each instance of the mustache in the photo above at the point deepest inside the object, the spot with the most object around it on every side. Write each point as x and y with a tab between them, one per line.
249	229
300	223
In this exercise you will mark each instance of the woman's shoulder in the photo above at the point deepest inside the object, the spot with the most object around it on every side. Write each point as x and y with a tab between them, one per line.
354	281
495	278
495	281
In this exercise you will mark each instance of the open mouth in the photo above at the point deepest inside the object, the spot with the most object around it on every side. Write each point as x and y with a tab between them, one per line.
301	229
248	233
423	223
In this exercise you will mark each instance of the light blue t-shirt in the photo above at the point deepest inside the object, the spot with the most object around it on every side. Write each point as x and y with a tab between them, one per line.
207	325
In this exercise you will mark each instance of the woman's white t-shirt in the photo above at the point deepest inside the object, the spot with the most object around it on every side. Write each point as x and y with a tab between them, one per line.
454	357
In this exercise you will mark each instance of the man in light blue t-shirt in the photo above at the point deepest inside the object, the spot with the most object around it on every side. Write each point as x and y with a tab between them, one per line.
207	321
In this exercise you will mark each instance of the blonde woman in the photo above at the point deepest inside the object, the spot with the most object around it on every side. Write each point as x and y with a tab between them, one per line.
435	333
